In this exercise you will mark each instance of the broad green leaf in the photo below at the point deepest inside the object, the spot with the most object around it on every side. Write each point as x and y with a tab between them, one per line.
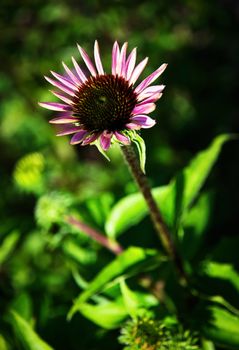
107	315
129	298
8	245
207	345
26	335
3	343
174	199
221	326
131	261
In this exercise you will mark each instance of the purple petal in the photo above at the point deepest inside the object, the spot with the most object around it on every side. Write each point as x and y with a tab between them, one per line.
69	129
64	120
90	139
122	138
62	97
133	126
55	106
130	64
78	137
115	57
151	78
120	69
138	70
144	121
60	86
105	140
71	75
79	71
87	60
150	91
64	81
144	108
97	59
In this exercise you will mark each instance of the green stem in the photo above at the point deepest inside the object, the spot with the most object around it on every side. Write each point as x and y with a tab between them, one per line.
157	219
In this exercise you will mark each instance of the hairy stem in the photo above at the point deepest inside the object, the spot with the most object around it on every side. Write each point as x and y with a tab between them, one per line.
104	241
159	224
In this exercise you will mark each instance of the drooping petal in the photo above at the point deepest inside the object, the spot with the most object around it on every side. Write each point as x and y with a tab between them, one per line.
122	138
55	106
133	126
120	69
153	98
149	91
98	62
68	130
79	71
64	81
78	137
144	108
90	139
151	78
105	140
63	120
115	57
60	86
62	97
72	76
87	60
138	70
144	121
130	64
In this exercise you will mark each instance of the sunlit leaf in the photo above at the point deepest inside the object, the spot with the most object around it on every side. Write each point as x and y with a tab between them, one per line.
130	262
8	245
26	335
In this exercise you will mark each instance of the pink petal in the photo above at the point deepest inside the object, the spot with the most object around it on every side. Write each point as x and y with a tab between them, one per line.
90	139
79	71
60	86
144	121
62	97
97	59
87	60
78	137
122	138
68	129
144	108
130	64
63	120
120	68
105	140
151	78
149	91
153	98
64	81
138	70
55	106
133	126
115	57
71	75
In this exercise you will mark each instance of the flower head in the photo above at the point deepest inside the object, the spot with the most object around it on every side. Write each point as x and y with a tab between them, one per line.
104	107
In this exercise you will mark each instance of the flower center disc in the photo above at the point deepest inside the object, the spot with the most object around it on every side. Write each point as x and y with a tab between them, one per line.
104	102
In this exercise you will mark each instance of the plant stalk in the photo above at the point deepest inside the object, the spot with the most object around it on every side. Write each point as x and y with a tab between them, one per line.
156	217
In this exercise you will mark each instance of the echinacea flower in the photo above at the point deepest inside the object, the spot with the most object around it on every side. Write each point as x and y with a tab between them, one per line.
101	107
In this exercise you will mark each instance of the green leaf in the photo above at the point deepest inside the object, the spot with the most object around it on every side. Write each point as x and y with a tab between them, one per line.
3	343
26	335
131	261
222	327
8	245
108	315
140	144
130	299
174	199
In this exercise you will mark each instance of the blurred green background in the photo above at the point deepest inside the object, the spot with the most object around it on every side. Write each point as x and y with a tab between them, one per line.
42	177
